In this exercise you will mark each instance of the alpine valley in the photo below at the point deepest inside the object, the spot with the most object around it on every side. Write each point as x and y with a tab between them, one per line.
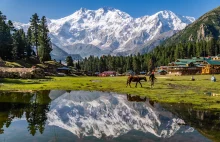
110	31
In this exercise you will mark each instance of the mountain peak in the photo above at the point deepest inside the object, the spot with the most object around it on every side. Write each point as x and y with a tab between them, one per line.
165	13
108	9
83	9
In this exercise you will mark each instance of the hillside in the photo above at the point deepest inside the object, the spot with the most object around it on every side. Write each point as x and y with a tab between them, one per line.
60	54
205	28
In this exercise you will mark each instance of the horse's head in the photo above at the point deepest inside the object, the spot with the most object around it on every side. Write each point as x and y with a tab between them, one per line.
145	78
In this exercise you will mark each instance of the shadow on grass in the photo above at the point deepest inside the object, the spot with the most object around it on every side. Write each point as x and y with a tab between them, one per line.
18	81
146	87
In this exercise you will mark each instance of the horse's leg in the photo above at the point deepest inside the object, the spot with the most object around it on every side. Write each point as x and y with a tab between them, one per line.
136	84
130	84
140	83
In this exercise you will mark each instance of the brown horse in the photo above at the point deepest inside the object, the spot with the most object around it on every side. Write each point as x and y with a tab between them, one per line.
136	79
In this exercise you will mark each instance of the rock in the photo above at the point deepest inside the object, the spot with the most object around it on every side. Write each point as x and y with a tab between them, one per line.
24	73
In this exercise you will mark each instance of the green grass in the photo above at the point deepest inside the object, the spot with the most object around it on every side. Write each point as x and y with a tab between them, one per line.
167	89
13	64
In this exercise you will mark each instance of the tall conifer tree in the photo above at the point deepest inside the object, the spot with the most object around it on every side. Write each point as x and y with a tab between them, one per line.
45	46
28	48
35	31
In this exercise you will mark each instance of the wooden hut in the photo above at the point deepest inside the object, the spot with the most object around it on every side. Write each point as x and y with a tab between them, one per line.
211	67
65	70
162	72
108	73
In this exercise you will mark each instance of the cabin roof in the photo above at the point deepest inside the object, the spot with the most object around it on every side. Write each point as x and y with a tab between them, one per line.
213	62
194	59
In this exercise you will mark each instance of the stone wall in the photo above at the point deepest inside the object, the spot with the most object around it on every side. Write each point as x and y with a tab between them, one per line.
25	73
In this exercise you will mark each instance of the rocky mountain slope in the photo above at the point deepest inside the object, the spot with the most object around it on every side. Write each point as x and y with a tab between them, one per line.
205	28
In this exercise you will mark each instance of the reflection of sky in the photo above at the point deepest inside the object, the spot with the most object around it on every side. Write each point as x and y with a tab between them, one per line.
82	115
17	132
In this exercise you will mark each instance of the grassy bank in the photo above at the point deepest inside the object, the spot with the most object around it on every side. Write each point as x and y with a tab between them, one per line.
168	89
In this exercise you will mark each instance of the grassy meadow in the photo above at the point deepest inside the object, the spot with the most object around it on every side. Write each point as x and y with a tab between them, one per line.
167	89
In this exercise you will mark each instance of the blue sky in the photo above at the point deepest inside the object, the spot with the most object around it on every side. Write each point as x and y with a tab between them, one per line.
21	10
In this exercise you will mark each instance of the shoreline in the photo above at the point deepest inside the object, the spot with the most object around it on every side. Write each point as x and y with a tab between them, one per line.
174	89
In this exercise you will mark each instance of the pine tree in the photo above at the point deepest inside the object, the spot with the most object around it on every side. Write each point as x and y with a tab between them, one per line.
78	66
15	46
136	64
5	38
69	61
19	44
151	63
35	31
129	63
45	46
28	48
11	27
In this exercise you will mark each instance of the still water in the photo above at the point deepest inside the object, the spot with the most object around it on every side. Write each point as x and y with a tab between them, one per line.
98	116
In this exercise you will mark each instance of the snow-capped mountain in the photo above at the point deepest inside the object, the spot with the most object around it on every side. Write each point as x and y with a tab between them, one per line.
111	115
111	31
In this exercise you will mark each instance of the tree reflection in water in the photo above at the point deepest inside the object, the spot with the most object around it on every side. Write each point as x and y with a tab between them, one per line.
32	106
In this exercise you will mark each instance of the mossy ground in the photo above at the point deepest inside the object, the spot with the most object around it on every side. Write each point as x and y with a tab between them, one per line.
167	89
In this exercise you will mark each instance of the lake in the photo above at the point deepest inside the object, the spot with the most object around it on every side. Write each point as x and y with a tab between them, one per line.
58	115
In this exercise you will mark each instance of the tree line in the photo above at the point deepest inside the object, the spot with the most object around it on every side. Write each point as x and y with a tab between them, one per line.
16	44
121	64
160	56
166	54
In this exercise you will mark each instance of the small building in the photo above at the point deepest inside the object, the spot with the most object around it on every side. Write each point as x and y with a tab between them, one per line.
108	73
96	73
129	72
163	68
184	68
65	70
88	73
216	57
162	72
211	67
142	73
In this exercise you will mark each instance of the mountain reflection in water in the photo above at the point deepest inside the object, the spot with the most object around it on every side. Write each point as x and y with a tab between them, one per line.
97	115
